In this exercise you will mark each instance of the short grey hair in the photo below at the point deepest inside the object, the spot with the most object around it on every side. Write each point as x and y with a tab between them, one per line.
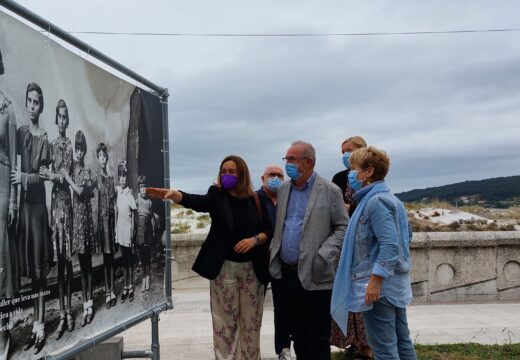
308	149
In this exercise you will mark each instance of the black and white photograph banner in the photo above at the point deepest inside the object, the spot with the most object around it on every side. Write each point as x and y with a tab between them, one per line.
81	245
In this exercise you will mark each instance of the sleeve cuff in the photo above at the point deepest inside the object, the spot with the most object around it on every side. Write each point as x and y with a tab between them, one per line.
379	270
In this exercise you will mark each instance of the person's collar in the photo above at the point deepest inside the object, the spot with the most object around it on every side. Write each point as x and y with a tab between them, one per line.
309	182
364	190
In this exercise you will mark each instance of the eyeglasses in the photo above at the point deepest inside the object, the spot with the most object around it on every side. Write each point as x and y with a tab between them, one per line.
293	158
272	175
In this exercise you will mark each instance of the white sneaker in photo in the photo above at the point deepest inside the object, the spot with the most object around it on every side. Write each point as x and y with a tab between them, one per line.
285	354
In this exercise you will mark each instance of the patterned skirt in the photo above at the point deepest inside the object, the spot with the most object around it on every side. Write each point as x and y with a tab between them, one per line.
356	334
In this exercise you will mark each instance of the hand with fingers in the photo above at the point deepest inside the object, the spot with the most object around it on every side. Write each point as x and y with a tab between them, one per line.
164	194
245	245
373	292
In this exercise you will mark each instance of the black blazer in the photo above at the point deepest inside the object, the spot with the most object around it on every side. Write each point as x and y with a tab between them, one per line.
214	249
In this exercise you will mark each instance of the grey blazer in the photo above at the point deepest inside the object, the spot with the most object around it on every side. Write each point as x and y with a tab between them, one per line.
324	226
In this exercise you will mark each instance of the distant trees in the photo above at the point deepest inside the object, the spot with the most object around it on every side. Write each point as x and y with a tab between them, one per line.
497	191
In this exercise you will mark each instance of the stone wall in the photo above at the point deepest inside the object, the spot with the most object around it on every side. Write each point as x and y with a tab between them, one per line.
466	266
447	266
185	248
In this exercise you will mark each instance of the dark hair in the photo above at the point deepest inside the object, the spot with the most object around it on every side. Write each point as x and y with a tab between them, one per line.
62	105
244	187
101	148
141	180
35	87
80	141
121	169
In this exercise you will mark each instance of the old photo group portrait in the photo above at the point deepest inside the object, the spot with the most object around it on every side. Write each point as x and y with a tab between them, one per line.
80	241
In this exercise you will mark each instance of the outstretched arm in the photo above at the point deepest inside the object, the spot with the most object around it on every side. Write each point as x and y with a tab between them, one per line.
165	194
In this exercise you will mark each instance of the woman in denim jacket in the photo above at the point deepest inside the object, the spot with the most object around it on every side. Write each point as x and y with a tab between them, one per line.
373	275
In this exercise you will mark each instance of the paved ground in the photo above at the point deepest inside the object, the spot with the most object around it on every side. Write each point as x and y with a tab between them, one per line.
185	332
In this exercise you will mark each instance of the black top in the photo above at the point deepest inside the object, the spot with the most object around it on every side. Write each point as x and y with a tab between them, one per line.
215	249
239	232
341	179
269	206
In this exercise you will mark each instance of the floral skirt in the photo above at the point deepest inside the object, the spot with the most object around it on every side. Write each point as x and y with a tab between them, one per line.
356	334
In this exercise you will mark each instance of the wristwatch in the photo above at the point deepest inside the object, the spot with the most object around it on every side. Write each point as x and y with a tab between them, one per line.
257	239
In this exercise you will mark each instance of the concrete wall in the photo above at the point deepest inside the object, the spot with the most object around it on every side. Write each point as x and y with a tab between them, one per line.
466	266
447	266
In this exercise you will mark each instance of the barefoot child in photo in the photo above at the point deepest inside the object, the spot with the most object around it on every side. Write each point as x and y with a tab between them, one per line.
144	231
125	209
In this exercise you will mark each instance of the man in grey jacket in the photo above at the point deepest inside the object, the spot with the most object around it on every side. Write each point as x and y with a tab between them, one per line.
310	226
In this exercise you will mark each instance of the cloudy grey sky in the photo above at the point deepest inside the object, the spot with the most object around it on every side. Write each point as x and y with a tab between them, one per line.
446	107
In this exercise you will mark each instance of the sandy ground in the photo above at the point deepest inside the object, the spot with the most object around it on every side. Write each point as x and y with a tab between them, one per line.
445	216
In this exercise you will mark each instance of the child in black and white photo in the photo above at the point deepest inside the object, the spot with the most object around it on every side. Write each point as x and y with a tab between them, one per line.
125	222
144	231
61	214
83	226
106	222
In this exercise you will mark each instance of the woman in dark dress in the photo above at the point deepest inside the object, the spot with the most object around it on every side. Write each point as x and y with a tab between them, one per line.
356	336
8	212
61	214
35	248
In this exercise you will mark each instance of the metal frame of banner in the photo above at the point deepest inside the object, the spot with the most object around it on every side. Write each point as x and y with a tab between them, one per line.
163	94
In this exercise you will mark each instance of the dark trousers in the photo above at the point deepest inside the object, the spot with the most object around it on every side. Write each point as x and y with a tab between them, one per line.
308	315
282	336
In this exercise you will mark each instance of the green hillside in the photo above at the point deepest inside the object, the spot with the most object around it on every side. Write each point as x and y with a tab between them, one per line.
497	192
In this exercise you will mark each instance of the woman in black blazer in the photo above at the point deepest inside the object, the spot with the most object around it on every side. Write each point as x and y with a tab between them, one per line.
234	257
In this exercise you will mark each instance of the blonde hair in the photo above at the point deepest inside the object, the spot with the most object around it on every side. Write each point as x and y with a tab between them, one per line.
358	141
371	157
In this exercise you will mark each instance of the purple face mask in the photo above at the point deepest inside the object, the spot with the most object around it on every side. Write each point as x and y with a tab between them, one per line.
228	181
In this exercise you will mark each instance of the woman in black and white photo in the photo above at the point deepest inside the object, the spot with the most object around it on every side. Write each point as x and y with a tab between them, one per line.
61	214
35	249
83	226
8	212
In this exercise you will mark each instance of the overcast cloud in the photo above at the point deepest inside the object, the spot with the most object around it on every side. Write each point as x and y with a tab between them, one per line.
445	107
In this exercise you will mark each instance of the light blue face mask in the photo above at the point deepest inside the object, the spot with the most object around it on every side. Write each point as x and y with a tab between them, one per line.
292	171
274	183
354	183
346	157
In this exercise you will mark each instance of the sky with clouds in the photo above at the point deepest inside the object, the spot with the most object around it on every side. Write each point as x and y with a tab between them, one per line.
446	107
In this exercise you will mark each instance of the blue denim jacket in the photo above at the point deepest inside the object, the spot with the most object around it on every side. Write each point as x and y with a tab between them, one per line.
382	246
377	242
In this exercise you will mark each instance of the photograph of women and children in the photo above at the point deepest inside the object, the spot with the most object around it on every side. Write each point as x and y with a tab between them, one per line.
81	245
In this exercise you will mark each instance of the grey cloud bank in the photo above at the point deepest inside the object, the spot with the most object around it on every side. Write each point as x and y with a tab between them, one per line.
445	107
